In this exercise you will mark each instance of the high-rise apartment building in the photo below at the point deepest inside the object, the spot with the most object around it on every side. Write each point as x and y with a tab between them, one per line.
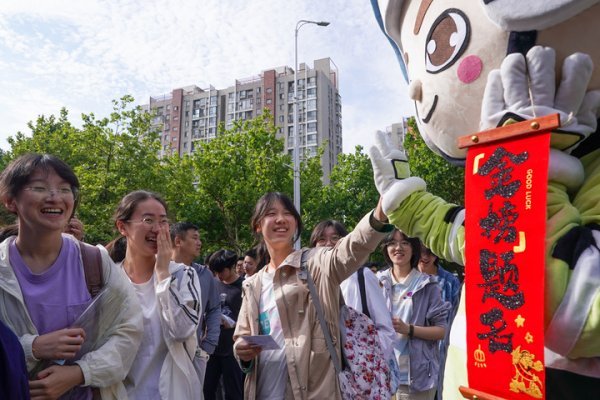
398	131
190	115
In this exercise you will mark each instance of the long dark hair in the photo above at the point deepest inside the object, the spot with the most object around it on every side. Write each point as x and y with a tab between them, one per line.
260	210
265	203
129	203
125	209
18	173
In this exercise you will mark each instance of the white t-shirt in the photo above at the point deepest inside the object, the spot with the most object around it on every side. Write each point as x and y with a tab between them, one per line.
144	375
272	366
402	307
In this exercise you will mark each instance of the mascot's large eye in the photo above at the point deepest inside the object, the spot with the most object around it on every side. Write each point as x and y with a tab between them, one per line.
447	40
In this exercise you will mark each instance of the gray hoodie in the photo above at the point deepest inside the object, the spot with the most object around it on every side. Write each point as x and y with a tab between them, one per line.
428	310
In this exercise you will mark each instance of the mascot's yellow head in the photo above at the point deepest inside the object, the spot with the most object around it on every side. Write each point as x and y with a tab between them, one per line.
447	48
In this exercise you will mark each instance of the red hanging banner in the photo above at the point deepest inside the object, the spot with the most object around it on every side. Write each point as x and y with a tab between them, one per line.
505	203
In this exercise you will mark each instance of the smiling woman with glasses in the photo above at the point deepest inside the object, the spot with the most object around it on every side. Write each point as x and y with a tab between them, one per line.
169	293
44	289
419	316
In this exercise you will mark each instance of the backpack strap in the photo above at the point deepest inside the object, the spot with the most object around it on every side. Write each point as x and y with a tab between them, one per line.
363	292
92	267
317	303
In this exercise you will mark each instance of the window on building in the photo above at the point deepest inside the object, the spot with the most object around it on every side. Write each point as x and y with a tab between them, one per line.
258	90
269	101
311	104
269	90
311	92
311	116
312	81
175	108
281	119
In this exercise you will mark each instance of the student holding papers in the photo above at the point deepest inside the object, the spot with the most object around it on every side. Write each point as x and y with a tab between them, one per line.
44	290
276	302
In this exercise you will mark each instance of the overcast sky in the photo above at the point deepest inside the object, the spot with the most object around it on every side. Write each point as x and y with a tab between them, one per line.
82	54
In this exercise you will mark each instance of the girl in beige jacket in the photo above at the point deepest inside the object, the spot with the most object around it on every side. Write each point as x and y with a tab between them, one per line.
276	302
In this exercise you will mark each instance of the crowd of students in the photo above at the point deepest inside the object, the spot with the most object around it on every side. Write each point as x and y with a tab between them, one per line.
139	319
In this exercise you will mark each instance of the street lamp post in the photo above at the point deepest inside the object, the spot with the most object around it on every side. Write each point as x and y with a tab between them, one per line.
299	25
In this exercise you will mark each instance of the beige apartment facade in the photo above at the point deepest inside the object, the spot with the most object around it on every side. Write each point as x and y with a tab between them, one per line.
190	115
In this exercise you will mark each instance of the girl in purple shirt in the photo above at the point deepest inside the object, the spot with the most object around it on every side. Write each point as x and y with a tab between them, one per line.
44	291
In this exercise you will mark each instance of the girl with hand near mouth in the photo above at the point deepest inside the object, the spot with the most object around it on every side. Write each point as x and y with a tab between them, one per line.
418	316
276	302
170	297
44	291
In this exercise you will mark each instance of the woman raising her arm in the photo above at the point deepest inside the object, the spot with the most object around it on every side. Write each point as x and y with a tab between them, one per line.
276	302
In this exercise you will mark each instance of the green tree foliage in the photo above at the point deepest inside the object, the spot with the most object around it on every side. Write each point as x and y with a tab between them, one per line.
217	186
442	178
232	171
111	157
351	192
312	201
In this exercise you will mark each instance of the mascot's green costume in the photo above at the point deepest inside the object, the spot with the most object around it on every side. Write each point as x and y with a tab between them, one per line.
474	65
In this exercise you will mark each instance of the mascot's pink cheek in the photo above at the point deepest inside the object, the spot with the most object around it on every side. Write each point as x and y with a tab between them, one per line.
469	69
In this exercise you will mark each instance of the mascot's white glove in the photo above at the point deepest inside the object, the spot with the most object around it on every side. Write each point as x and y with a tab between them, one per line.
507	92
391	172
507	95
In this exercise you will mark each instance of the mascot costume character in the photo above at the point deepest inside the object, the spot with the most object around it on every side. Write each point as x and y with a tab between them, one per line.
473	65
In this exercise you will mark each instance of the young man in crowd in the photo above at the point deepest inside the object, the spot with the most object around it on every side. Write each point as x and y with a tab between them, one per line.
186	242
